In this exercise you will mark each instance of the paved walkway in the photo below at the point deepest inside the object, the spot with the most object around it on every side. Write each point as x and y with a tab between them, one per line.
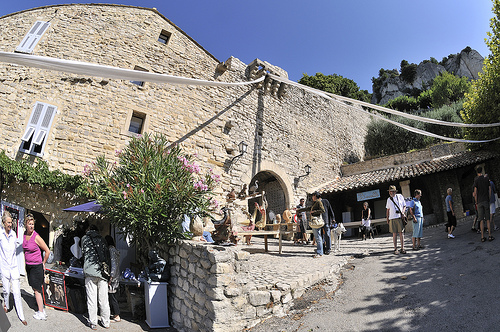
295	267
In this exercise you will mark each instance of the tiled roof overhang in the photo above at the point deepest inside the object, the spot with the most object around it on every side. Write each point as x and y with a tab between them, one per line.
402	172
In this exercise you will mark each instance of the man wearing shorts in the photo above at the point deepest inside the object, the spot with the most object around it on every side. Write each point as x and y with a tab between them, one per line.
396	206
482	194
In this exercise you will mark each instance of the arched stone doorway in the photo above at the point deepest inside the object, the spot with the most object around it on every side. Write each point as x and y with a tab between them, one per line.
276	197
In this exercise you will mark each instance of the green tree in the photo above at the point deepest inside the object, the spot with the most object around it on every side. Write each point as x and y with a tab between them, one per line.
336	84
408	71
482	103
383	138
403	104
448	88
149	190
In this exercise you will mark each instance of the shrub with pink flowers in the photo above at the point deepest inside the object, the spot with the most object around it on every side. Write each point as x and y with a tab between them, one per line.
148	191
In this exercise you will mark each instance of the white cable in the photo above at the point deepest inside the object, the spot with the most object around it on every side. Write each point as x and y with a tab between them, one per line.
384	109
90	69
409	128
84	68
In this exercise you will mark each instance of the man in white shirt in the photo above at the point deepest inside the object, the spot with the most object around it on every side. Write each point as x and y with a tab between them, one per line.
396	206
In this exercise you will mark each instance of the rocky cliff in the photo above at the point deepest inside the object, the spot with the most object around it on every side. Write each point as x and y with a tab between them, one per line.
466	63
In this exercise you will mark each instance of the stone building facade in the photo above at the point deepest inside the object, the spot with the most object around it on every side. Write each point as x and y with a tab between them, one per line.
285	127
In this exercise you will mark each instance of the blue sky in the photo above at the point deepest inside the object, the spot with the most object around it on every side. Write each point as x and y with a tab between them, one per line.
352	38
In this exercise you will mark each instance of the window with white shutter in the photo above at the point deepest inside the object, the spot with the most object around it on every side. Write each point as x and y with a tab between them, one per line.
34	138
32	37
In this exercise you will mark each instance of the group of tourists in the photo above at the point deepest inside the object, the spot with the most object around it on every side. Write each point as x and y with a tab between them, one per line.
100	284
322	209
399	213
485	203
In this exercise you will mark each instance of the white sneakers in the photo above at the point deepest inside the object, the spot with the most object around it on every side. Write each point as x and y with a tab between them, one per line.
40	315
451	236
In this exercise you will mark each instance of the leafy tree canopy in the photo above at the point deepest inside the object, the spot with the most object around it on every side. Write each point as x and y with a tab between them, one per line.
448	88
336	84
384	138
482	103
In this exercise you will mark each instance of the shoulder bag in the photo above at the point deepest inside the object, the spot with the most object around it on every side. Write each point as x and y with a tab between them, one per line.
403	216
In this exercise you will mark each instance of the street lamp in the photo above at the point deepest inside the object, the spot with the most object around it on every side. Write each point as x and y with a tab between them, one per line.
243	149
307	169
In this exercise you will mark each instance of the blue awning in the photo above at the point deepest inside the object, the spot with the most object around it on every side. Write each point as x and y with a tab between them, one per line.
92	206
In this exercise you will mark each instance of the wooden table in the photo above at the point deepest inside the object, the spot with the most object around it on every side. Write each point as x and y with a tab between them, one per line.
265	233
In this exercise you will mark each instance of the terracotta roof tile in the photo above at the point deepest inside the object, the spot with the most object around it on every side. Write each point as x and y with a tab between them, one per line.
406	171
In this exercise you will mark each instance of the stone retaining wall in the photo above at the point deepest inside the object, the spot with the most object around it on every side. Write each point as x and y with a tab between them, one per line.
210	289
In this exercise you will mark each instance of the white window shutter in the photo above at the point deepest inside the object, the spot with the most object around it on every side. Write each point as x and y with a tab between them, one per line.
38	127
32	37
39	137
27	135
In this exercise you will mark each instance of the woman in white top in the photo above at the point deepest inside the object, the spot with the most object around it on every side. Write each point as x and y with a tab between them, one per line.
8	266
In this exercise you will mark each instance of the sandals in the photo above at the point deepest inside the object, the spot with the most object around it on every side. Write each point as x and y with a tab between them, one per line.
483	239
317	256
414	248
402	251
490	238
396	252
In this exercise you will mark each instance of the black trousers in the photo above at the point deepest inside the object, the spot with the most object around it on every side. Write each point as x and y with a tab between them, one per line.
113	304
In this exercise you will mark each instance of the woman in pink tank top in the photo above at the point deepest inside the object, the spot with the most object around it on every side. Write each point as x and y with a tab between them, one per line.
35	265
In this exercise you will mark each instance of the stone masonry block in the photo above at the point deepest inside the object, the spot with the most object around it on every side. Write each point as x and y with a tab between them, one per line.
257	298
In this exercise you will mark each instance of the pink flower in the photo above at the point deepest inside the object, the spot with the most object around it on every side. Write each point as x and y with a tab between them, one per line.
200	186
124	194
142	191
86	170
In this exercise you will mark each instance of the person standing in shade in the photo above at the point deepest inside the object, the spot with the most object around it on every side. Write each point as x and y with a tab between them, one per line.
482	194
35	265
317	210
395	209
452	220
95	251
329	218
492	204
301	223
366	216
417	214
8	267
114	281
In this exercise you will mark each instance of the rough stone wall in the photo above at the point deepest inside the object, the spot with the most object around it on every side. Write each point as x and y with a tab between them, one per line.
209	290
288	132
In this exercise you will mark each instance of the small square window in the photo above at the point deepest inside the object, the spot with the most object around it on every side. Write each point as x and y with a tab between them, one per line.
164	37
139	83
136	123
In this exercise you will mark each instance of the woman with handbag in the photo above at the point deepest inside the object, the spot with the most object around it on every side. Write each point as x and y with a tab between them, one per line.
317	209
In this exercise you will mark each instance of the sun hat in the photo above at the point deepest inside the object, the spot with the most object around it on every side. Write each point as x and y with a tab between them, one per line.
392	188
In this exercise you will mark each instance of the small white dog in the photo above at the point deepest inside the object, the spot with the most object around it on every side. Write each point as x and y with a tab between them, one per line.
337	235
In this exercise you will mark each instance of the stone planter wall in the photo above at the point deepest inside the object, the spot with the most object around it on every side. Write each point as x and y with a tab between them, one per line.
209	290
